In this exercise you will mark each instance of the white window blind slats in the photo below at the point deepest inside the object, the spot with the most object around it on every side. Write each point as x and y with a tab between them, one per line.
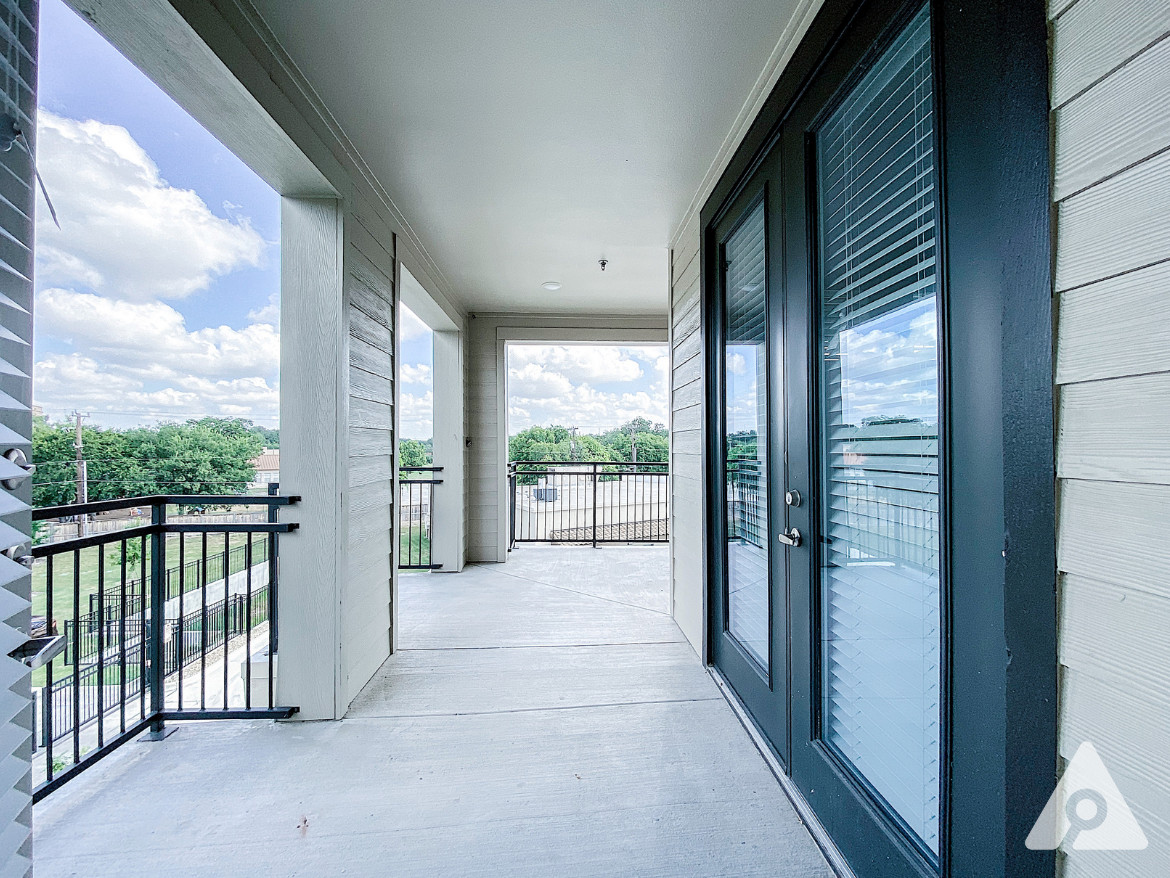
18	47
880	634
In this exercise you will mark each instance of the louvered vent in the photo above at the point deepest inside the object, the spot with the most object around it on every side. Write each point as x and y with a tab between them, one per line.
879	403
18	46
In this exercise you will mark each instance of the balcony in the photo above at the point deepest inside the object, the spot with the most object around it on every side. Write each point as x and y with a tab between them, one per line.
543	716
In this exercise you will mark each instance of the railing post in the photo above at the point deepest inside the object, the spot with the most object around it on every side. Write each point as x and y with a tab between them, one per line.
512	509
158	618
274	640
595	505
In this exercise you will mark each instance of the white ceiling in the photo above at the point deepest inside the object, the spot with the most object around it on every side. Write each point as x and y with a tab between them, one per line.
524	140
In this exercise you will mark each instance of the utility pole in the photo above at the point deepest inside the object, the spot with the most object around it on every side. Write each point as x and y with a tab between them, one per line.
572	443
82	476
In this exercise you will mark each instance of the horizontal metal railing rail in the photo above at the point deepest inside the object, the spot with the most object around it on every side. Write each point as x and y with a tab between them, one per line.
588	502
416	502
157	643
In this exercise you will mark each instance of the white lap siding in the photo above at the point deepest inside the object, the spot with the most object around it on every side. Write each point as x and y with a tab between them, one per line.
1111	123
686	422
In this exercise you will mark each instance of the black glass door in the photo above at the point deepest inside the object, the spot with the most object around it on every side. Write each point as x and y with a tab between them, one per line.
749	615
864	422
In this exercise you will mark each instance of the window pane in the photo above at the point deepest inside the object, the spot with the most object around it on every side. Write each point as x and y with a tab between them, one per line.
880	403
746	423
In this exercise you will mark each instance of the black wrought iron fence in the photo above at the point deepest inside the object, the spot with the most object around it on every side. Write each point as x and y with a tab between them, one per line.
562	501
747	496
416	496
156	643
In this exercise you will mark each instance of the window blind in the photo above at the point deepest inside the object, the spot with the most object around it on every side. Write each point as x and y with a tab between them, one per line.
18	72
879	383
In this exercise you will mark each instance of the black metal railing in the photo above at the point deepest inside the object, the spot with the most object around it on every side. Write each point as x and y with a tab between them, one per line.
747	497
147	641
568	502
416	496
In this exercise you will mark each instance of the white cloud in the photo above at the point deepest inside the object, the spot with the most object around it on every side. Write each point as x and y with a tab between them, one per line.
124	230
139	358
556	384
117	396
409	326
270	313
888	365
534	380
415	415
590	364
144	335
420	374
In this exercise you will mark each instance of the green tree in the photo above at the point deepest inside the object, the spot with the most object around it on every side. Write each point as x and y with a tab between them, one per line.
415	452
203	456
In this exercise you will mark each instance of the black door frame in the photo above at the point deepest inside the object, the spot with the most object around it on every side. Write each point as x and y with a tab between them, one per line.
764	692
999	601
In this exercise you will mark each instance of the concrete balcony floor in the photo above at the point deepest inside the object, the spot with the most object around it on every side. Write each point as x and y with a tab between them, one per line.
544	717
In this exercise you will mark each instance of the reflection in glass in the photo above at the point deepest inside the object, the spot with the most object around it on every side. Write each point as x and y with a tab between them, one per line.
879	404
745	443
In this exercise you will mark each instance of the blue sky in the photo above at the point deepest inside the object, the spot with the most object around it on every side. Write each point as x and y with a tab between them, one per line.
158	297
416	348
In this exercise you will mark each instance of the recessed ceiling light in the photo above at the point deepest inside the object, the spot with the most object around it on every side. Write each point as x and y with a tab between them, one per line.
551	285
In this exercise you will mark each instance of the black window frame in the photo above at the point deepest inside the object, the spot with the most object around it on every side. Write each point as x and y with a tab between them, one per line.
995	245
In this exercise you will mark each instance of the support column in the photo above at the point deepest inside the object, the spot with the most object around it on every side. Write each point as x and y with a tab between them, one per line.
313	411
447	529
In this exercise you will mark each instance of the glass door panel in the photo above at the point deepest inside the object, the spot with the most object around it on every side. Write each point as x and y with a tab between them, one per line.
745	420
878	319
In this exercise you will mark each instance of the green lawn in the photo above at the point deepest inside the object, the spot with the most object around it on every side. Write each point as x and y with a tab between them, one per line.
88	569
414	546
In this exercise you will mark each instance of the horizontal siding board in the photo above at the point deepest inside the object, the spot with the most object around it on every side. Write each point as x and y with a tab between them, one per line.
690	418
687	371
687	348
1127	728
1130	105
686	242
370	470
1116	635
686	321
688	394
367	385
688	276
369	330
686	441
1117	226
371	496
683	260
1115	532
1097	36
370	358
369	414
378	250
1109	329
1116	430
368	442
682	296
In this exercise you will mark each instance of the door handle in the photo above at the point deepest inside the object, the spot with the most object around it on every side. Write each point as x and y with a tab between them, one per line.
790	537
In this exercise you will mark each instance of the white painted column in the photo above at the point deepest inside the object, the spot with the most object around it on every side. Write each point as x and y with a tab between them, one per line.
313	407
447	537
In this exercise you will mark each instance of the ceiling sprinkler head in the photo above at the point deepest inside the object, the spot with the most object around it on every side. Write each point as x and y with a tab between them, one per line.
603	263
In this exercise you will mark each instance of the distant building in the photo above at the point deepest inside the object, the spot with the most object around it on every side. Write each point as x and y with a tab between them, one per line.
267	467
